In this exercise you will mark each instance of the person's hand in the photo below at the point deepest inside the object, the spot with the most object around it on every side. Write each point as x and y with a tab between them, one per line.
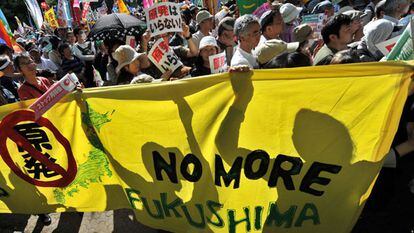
146	37
166	75
186	31
185	70
235	69
1	74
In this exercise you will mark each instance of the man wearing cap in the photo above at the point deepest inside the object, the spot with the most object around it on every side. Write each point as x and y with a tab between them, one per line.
273	48
303	34
247	30
290	14
324	7
225	37
205	25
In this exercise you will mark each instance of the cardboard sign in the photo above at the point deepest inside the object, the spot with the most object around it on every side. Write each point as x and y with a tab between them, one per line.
218	63
316	21
163	57
163	17
130	40
386	46
54	94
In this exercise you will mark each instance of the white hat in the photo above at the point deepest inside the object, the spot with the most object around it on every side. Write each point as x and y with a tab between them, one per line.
208	41
273	48
203	15
125	55
289	12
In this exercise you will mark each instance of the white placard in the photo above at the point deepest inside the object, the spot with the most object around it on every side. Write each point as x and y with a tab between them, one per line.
163	17
130	40
386	46
218	63
163	57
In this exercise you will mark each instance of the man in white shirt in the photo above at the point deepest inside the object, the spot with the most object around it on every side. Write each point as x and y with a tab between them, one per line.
205	25
247	30
271	26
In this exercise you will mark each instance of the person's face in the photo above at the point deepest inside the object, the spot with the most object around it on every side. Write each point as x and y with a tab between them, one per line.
35	55
134	67
274	30
345	35
208	24
67	53
252	37
208	51
227	37
356	25
71	38
81	36
27	67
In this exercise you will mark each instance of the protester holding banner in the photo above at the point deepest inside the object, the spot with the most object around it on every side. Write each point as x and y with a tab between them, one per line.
33	86
247	31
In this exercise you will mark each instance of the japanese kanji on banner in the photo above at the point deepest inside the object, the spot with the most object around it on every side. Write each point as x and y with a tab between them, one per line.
51	18
163	57
163	17
283	150
218	63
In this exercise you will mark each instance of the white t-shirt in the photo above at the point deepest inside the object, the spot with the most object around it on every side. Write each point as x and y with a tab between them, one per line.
241	57
197	37
77	52
46	64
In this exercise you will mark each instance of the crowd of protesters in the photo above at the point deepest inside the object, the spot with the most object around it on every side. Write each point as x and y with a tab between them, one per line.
274	39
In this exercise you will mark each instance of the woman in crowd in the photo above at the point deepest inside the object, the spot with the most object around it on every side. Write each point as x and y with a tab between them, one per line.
130	64
33	86
208	47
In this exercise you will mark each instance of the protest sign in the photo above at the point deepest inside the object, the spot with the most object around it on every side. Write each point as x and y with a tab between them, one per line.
386	46
262	9
51	18
218	63
130	40
403	49
54	94
225	153
316	21
163	17
163	57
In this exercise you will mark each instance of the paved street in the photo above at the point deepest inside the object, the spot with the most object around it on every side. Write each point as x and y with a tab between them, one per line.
104	222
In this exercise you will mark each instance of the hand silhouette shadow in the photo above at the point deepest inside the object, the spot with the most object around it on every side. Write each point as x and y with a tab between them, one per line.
320	138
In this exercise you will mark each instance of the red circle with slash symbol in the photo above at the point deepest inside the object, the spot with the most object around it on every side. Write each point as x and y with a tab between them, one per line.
7	131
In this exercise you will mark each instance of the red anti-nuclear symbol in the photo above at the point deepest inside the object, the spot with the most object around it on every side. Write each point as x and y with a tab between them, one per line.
66	82
7	131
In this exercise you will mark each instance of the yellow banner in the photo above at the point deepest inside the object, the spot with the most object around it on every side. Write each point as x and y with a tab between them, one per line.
286	150
51	18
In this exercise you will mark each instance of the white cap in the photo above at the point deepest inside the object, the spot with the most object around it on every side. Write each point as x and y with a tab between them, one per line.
125	55
208	41
289	12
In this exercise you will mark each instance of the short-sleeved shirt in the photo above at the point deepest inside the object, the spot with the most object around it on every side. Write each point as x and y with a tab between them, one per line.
241	57
28	91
